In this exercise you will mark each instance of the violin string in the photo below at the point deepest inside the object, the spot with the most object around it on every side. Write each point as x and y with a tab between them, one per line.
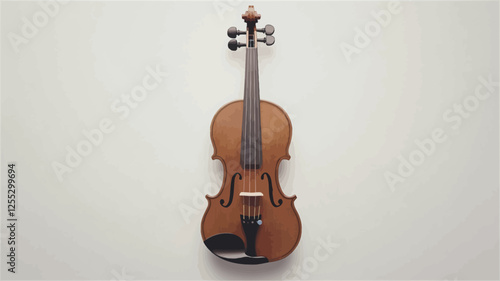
254	139
248	140
245	147
251	127
255	125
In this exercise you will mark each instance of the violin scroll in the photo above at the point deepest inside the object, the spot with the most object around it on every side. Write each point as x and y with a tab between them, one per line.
251	17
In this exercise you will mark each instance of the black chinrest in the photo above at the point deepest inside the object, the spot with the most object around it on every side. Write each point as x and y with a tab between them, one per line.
231	248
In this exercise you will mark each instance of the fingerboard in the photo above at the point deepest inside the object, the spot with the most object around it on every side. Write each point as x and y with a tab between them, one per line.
251	139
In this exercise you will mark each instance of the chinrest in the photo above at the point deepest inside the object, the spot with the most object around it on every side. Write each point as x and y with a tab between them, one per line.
230	247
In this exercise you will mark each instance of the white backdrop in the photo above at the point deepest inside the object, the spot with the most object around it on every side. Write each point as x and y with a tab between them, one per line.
394	151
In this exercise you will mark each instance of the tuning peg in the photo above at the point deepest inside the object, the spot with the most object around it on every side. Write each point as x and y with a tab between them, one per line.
234	45
232	32
268	29
269	40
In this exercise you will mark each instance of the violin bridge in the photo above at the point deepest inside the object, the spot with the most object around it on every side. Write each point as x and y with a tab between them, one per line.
251	194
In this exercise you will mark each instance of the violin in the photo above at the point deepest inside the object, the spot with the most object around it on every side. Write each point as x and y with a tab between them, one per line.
251	220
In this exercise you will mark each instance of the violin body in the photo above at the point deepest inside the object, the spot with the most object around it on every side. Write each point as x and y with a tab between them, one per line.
280	231
251	220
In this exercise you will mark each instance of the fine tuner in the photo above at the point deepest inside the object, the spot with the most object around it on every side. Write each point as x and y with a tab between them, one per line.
233	32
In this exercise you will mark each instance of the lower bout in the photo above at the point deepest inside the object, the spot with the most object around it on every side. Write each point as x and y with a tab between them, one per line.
252	243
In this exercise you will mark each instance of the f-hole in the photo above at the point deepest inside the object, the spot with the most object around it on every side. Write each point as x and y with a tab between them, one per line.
271	190
231	192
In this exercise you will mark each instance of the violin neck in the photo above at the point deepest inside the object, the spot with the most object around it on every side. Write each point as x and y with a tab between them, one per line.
252	76
251	138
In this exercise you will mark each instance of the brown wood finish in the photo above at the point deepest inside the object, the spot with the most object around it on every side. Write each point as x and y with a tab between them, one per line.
280	231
